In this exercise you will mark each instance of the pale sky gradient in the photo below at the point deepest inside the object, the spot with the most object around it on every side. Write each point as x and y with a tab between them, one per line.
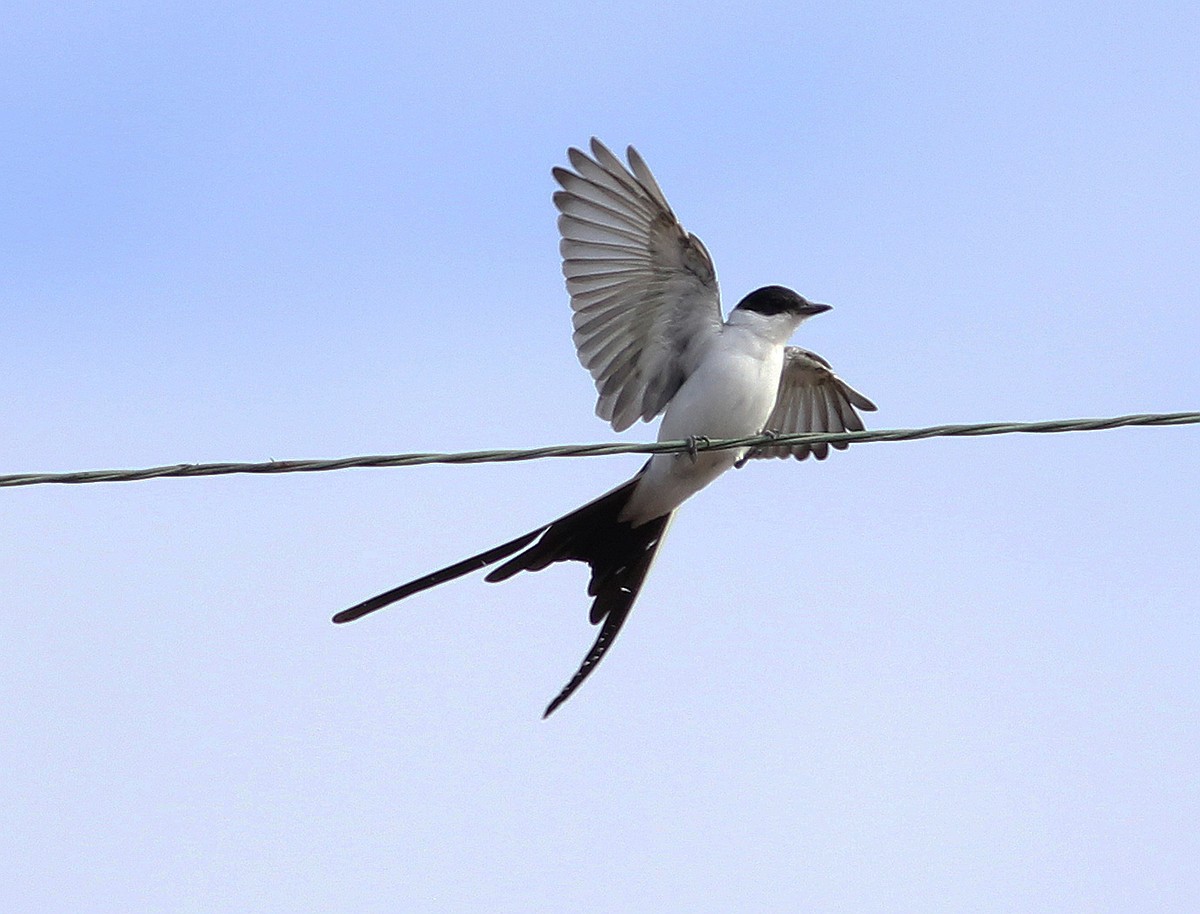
922	677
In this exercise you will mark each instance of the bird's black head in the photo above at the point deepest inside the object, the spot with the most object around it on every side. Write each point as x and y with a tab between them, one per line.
771	300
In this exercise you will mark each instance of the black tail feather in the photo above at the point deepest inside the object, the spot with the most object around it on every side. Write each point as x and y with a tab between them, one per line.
615	592
581	536
608	632
618	553
441	576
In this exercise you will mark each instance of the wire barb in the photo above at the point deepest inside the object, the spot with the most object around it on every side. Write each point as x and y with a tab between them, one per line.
598	450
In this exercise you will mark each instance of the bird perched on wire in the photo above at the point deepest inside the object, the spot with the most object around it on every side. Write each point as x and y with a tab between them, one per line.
649	328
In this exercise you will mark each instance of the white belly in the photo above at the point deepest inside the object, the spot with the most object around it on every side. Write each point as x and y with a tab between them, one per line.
730	395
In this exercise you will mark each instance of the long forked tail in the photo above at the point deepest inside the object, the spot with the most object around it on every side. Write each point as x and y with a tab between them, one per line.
619	554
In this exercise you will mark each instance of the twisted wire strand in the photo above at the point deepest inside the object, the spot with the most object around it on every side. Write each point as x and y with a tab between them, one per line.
598	450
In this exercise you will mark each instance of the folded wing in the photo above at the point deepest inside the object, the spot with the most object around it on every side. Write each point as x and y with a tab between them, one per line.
644	290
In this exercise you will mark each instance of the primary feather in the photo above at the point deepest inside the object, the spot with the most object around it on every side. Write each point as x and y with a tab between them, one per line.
643	289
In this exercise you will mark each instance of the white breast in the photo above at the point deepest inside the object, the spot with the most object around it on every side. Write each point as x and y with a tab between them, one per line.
729	395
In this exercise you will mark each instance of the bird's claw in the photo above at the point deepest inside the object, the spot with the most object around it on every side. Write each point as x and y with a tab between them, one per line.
693	445
757	449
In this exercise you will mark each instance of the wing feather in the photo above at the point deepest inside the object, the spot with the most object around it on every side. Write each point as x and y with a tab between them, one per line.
812	399
594	250
643	289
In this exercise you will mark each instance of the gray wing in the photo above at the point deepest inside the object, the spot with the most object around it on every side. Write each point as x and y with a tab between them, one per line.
812	399
644	290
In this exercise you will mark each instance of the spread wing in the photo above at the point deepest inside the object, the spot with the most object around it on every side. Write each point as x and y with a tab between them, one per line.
644	290
812	399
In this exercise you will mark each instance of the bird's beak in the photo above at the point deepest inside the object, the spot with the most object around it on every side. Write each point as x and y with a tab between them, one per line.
809	308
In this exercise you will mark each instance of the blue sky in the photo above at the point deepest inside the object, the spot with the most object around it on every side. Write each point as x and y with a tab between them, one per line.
934	676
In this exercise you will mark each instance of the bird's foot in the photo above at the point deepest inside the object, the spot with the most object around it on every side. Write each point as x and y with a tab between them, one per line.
757	449
694	443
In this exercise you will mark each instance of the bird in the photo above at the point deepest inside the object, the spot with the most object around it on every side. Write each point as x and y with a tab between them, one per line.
649	328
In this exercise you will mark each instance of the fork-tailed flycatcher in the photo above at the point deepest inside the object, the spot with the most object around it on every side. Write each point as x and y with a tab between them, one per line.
648	326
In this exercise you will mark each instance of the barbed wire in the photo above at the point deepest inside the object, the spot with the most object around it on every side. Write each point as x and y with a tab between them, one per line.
598	450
